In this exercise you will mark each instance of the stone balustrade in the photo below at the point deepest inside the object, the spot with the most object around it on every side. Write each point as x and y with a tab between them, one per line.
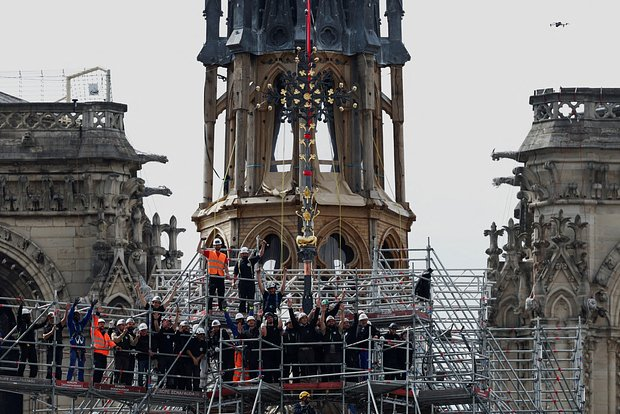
62	116
575	104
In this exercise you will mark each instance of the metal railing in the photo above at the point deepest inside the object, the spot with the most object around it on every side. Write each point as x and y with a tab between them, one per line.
445	343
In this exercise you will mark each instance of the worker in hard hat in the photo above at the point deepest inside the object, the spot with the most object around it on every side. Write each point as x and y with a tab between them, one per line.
217	269
303	406
244	271
26	329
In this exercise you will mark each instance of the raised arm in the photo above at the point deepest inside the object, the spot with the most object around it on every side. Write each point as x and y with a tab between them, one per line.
261	252
291	314
175	325
89	314
140	295
341	323
322	319
231	325
313	318
170	296
18	318
63	321
70	317
200	243
259	279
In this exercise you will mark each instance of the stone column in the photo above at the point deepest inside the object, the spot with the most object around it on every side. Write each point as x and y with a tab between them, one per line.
365	65
397	121
241	90
251	181
210	116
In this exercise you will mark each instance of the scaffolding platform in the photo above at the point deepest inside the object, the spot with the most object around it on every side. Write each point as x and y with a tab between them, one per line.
451	358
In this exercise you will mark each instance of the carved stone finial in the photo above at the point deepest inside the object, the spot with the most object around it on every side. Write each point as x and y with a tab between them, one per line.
493	234
173	256
560	224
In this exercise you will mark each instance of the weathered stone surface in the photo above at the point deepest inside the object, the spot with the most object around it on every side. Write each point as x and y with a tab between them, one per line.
569	212
68	180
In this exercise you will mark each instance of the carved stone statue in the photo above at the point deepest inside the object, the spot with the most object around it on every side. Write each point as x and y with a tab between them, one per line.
161	190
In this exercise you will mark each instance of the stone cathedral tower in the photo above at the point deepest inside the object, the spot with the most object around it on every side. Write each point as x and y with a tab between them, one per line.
72	220
562	257
264	175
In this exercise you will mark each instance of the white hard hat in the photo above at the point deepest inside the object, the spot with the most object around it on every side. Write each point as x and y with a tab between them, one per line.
251	318
156	299
184	323
200	331
217	242
26	311
244	250
215	323
363	317
302	315
239	316
120	322
330	318
142	326
101	320
50	313
130	320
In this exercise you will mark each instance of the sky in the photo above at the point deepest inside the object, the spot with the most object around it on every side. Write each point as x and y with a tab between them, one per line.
474	65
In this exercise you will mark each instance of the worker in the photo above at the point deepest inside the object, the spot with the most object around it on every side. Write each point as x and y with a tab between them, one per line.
303	406
77	340
102	343
332	333
52	335
143	342
123	371
244	271
27	349
271	331
219	342
365	334
271	297
394	354
217	269
307	338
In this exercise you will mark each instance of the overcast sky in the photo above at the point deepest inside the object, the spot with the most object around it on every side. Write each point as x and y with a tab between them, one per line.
474	65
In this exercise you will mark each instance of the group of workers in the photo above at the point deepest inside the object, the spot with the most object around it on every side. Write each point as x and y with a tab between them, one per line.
273	342
302	342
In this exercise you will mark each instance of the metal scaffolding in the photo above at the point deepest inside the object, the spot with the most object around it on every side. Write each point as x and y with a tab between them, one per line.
452	360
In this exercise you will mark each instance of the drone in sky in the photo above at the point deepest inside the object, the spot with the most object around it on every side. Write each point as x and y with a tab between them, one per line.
558	24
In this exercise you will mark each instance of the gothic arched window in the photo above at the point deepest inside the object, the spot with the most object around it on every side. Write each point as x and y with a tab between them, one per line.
336	253
276	253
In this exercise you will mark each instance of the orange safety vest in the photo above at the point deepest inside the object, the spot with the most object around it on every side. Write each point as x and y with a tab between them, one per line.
101	341
216	262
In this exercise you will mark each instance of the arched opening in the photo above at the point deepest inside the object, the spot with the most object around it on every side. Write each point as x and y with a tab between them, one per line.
335	253
283	138
276	253
391	255
120	305
16	281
